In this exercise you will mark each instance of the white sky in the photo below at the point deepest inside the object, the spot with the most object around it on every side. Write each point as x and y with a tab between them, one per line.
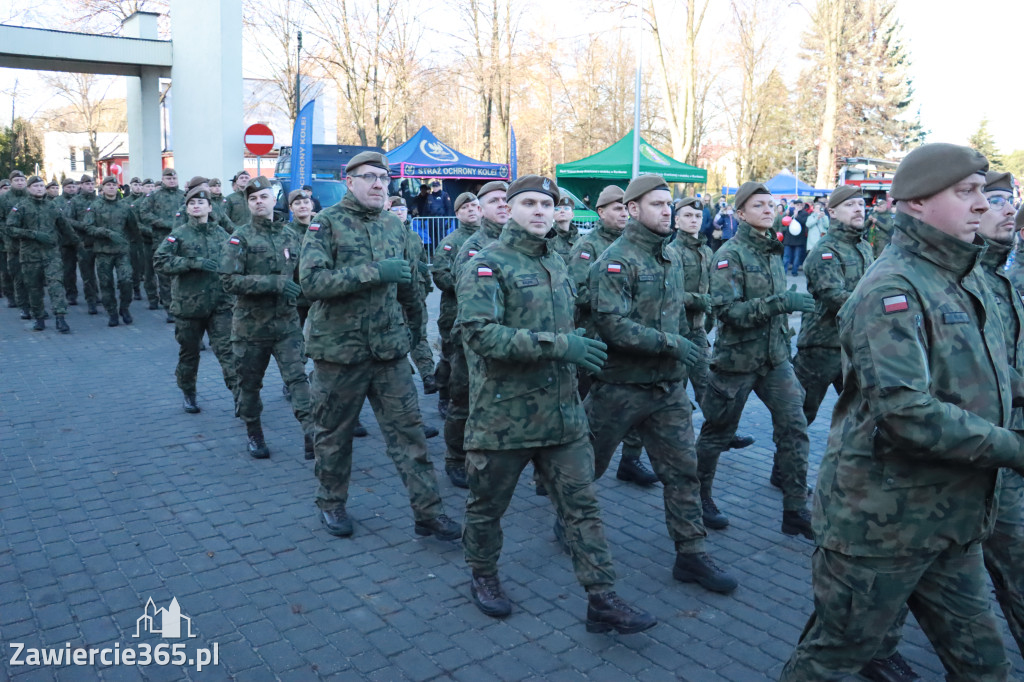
962	61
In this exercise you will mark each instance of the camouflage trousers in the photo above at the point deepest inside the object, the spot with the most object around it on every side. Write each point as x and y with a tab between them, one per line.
632	444
163	282
338	395
723	406
698	376
44	277
443	369
458	404
148	272
14	270
138	254
109	266
568	473
188	332
87	266
252	357
661	415
817	369
6	285
69	266
421	355
856	600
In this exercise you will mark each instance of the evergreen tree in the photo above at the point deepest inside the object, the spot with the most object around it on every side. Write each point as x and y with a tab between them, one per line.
21	148
983	142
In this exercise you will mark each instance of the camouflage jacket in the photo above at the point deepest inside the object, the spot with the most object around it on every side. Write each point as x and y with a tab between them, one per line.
419	260
515	300
157	212
75	215
917	433
562	242
299	230
194	291
1007	288
487	234
31	217
111	224
355	317
583	254
9	200
881	231
444	276
135	201
747	296
833	268
695	255
636	289
217	215
237	208
258	260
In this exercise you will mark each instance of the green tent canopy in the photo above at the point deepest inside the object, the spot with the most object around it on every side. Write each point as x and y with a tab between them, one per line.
614	166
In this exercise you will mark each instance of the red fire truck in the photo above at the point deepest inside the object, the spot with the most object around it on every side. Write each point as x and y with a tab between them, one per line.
873	176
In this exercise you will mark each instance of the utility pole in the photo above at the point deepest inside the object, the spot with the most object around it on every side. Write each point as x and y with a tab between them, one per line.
298	78
636	92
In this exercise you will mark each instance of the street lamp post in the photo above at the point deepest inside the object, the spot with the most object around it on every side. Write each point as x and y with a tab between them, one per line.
298	77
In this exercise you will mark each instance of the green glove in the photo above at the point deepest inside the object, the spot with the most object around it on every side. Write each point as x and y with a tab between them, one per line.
291	289
209	265
394	270
705	301
590	354
687	351
45	238
796	302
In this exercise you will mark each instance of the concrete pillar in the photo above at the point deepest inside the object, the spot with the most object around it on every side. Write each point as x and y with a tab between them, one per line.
143	104
206	82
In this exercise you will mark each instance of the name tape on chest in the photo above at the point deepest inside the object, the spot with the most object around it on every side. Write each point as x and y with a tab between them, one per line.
484	271
827	255
615	267
722	264
235	240
584	255
895	304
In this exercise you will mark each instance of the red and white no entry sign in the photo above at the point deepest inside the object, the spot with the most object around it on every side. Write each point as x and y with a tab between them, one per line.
259	139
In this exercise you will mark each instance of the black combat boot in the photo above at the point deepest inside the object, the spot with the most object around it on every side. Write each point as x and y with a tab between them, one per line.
607	611
430	431
257	446
93	310
489	597
189	403
892	669
11	303
360	430
457	475
701	569
126	316
46	315
631	469
72	300
39	326
112	321
62	325
442	407
26	314
336	521
740	442
441	527
137	294
308	444
713	518
429	385
797	522
153	305
170	318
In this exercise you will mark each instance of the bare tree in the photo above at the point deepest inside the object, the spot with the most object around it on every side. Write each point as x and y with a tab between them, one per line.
106	16
90	111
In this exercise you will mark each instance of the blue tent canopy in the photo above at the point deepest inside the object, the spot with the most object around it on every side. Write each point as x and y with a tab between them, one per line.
424	156
786	184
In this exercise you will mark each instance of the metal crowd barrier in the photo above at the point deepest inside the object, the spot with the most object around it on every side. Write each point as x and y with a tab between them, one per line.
433	230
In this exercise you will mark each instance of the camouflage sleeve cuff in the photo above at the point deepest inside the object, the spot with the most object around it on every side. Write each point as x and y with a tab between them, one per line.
776	304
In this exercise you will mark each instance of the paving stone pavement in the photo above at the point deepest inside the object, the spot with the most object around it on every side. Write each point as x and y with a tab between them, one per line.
110	495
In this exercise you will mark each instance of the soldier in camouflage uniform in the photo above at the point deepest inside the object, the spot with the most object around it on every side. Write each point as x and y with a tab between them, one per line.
300	203
751	353
6	286
69	248
52	190
905	492
139	252
258	267
191	256
421	354
833	268
18	295
516	309
39	226
564	234
217	197
365	318
217	213
237	205
467	211
158	219
613	218
494	212
110	221
880	222
86	257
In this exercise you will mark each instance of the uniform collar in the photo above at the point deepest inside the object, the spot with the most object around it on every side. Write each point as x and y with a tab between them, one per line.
648	240
491	228
264	223
688	240
350	203
468	227
995	254
765	242
923	240
192	222
516	236
846	232
609	233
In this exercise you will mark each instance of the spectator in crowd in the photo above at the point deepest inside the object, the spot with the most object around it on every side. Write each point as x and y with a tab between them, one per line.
817	225
723	227
794	238
437	203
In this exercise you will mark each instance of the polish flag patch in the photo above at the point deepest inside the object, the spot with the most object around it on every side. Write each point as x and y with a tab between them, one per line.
287	254
171	239
895	304
473	252
722	264
235	240
447	247
826	256
584	255
484	272
614	267
314	227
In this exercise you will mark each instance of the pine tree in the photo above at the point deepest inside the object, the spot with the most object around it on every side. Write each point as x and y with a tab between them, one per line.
983	142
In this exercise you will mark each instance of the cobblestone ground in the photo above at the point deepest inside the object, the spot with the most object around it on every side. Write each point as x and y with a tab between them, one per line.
110	495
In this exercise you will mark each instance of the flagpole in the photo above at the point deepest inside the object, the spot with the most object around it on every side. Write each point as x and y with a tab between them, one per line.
636	92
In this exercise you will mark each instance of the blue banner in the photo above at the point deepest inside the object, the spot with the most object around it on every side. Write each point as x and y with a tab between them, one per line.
302	148
512	160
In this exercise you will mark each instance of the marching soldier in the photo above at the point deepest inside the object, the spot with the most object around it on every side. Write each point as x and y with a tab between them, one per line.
258	267
881	224
516	308
110	221
86	256
191	256
237	205
69	248
751	353
564	234
158	210
421	354
365	317
18	295
139	252
52	190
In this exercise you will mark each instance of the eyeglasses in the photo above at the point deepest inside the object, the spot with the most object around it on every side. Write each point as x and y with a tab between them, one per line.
373	178
999	202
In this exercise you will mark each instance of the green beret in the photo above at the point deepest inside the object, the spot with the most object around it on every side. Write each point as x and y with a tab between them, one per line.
134	180
52	183
86	178
5	183
931	168
109	179
566	201
998	182
533	183
33	180
147	181
641	185
464	198
690	201
492	186
239	174
15	174
214	182
397	201
197	193
747	190
609	195
298	194
195	182
68	181
168	172
258	183
375	159
842	193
